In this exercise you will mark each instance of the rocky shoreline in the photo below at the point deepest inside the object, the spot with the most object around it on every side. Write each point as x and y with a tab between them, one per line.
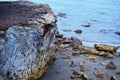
75	61
29	43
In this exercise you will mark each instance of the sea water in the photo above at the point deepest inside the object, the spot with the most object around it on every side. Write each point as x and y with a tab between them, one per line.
103	16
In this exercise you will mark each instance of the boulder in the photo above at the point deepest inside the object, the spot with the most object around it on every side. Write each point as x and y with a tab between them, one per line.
107	48
27	32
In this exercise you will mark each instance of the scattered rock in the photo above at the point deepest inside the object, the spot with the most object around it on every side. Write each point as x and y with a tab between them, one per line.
75	54
66	42
118	73
61	14
91	57
86	25
67	30
114	78
111	65
77	72
84	77
59	35
72	64
107	48
58	41
103	63
82	67
75	42
118	33
88	50
94	20
69	56
103	31
75	76
101	53
78	31
100	76
98	51
110	55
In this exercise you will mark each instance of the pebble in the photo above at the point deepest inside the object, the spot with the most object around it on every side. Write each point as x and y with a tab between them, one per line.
62	14
86	25
72	64
118	33
111	65
78	31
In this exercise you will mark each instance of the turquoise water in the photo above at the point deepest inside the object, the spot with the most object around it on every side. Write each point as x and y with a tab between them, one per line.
103	15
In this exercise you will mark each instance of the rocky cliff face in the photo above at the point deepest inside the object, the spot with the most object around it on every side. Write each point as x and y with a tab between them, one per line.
26	35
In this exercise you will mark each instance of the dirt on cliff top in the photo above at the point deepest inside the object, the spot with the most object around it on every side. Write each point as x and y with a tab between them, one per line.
19	13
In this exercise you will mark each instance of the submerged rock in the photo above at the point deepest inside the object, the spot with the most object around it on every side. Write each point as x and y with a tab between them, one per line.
118	33
27	31
86	25
62	14
78	31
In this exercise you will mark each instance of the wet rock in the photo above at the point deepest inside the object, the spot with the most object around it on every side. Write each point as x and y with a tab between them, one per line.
72	64
58	41
103	63
84	77
118	73
59	35
91	57
111	65
80	75
75	54
103	31
100	75
88	50
110	55
67	30
70	57
28	32
86	25
107	48
66	40
62	14
101	53
78	31
118	33
75	42
114	78
75	76
93	51
82	67
77	73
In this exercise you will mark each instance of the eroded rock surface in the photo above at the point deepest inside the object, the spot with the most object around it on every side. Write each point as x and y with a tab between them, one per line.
26	40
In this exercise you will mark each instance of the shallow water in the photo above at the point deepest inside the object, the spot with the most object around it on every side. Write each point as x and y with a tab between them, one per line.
103	15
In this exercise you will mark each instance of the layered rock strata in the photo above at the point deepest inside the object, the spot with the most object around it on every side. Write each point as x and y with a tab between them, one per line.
27	33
